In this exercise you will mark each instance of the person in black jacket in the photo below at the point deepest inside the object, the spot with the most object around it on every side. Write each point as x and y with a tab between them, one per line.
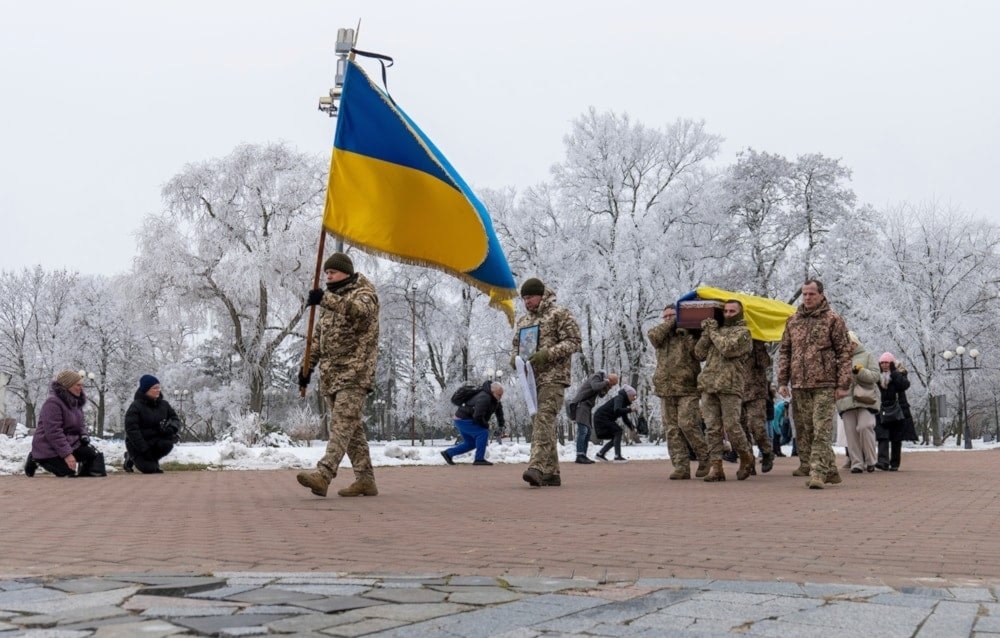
606	421
151	428
891	420
472	419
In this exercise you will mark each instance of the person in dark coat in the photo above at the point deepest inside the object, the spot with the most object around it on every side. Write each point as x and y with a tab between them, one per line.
472	419
606	421
582	405
151	428
892	422
60	444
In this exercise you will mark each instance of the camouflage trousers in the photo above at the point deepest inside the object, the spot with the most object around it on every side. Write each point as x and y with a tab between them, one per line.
722	416
753	420
347	435
544	453
682	427
813	410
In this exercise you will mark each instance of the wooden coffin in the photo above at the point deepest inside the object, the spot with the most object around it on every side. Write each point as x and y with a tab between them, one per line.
690	314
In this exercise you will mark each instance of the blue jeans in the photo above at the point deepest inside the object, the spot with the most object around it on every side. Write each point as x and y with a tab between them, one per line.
582	438
473	436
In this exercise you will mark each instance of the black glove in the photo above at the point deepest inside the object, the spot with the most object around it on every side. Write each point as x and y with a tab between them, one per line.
304	379
892	366
170	427
315	297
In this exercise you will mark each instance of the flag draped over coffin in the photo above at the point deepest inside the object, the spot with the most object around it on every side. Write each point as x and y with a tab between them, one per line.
393	193
765	317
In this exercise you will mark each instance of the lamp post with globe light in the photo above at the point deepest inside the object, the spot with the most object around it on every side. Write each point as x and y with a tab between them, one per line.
949	356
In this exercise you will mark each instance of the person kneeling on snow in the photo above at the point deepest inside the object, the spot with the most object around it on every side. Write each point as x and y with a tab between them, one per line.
472	419
60	444
151	428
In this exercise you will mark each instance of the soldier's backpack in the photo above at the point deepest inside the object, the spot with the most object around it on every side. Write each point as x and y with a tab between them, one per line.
464	394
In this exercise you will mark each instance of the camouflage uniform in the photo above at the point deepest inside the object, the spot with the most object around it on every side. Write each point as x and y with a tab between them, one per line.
559	336
345	346
815	360
675	381
724	351
753	418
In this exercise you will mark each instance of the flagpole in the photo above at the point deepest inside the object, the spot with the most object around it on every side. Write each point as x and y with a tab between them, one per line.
346	41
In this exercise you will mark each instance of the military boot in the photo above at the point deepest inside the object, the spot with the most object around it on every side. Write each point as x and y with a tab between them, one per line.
533	476
815	482
359	488
315	481
747	463
833	478
680	474
802	470
767	463
715	473
702	470
551	480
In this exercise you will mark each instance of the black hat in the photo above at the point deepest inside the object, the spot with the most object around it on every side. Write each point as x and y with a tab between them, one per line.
531	287
341	262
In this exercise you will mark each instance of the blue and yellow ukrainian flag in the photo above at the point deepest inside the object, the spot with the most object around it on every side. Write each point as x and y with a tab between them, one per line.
393	193
765	317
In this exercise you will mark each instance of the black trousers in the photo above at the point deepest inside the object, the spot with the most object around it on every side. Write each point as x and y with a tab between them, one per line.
149	462
615	441
889	453
89	462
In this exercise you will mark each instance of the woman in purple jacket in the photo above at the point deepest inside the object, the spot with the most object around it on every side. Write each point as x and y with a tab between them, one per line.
60	444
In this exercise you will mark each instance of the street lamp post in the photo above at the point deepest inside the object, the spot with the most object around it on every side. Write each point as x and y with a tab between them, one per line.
413	364
181	396
379	420
974	355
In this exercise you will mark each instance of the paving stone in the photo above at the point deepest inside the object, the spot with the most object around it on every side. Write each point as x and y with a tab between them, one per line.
244	631
276	575
878	620
366	627
549	585
273	596
781	629
949	624
222	592
87	585
326	580
733	613
324	590
72	616
140	602
305	623
64	602
407	595
987	624
188	612
483	596
905	600
686	583
931	592
523	632
973	594
7	626
216	624
183	586
473	581
852	592
332	604
12	600
286	610
412	613
147	629
753	587
14	585
53	633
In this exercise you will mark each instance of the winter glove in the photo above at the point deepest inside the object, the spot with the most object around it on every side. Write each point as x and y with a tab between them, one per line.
892	367
513	362
539	359
709	324
315	297
682	332
858	368
304	379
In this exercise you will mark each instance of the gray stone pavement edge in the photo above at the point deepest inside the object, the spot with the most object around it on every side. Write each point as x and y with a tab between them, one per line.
469	551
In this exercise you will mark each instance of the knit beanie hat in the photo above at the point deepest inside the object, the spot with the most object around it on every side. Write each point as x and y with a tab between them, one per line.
341	262
146	382
68	378
629	390
887	358
533	286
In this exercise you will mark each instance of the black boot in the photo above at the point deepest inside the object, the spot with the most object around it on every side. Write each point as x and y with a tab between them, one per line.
128	465
30	466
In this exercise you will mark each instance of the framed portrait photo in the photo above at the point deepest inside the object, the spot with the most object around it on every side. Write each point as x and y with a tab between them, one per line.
527	341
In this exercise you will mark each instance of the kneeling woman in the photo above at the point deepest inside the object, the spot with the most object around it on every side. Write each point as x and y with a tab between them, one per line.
151	428
606	421
60	444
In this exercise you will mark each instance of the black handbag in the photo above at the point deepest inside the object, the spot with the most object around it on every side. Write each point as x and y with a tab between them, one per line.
891	413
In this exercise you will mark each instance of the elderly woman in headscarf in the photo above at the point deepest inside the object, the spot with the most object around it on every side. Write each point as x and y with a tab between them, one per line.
892	416
606	421
859	407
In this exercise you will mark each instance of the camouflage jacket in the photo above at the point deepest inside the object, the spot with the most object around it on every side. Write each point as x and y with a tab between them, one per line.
677	368
868	377
724	351
815	351
345	342
558	335
758	363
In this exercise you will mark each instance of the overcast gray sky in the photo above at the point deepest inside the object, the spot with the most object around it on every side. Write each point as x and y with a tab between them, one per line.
104	101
